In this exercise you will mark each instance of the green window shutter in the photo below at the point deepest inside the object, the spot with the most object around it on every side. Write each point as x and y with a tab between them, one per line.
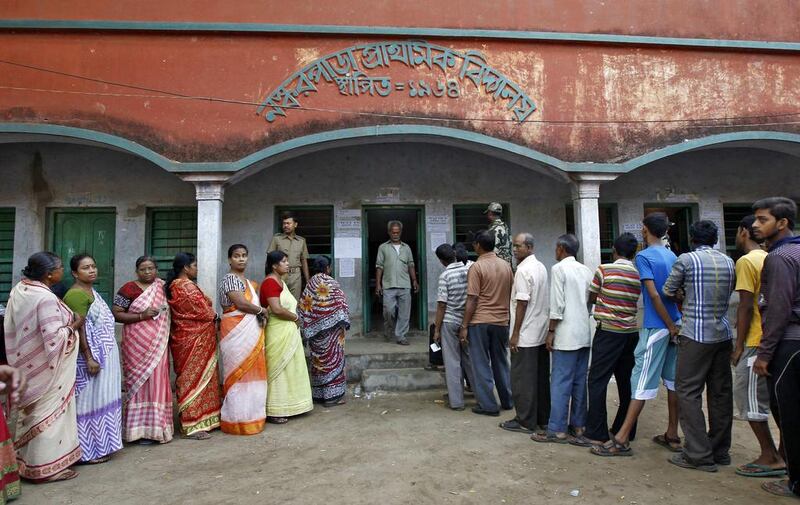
315	224
732	215
170	231
6	251
469	219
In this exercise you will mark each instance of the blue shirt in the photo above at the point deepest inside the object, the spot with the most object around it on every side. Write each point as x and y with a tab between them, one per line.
655	264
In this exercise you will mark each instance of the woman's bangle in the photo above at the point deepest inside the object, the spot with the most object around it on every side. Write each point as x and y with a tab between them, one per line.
260	311
140	315
296	317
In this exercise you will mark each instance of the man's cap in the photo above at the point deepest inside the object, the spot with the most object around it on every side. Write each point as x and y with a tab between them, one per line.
494	208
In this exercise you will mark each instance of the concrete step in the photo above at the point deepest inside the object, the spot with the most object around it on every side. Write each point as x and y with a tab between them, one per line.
366	354
400	379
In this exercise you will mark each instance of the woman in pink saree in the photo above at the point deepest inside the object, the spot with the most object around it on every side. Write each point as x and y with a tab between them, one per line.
147	397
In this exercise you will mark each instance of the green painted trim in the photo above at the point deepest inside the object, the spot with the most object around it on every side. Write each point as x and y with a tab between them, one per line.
544	160
92	136
395	31
284	150
691	145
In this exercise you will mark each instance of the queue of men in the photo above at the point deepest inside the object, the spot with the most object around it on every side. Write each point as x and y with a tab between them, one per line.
559	369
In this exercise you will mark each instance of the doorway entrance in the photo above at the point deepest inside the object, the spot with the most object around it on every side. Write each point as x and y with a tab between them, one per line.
681	217
375	234
90	231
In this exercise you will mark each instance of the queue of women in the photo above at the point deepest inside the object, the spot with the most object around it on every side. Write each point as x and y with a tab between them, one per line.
75	401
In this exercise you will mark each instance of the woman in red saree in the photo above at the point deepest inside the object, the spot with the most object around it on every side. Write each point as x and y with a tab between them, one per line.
12	384
147	397
193	343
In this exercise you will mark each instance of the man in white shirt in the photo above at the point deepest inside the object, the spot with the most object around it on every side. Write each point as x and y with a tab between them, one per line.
530	360
569	339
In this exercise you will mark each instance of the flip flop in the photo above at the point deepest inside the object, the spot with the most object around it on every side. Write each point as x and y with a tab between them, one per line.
756	470
673	444
612	448
200	435
778	488
277	420
548	438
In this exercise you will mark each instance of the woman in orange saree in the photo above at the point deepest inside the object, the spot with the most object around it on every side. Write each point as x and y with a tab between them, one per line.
193	343
242	349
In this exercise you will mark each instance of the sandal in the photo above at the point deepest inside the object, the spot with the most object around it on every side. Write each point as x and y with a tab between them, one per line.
581	441
681	461
756	470
673	444
612	448
97	461
778	488
277	420
62	475
200	435
548	438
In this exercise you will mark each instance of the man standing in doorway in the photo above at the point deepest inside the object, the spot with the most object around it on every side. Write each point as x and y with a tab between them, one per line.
778	356
654	357
294	246
569	338
502	239
395	277
530	360
750	391
485	326
703	279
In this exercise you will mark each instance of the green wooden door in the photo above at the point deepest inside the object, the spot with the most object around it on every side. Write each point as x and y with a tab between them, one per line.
90	231
6	252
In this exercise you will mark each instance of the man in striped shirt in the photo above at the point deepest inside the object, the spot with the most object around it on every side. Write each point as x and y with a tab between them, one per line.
614	291
704	280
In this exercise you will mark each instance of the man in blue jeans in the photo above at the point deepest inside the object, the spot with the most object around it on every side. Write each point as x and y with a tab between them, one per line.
485	326
569	339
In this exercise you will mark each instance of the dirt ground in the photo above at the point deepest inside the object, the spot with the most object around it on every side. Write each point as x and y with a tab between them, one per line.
400	448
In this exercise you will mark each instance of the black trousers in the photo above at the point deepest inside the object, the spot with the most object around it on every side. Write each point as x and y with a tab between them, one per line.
612	353
784	393
530	385
702	366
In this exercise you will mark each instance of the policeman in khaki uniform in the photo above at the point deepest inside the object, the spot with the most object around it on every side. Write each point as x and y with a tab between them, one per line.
502	240
295	248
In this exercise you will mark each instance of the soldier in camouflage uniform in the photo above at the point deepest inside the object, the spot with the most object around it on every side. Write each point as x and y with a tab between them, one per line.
502	238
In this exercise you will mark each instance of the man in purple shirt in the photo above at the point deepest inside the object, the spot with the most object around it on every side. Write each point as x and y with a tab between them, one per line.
778	355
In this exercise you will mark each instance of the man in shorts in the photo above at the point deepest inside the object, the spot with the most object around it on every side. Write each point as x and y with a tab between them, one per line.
655	353
750	391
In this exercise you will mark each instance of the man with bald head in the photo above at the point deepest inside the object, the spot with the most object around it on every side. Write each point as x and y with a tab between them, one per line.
530	360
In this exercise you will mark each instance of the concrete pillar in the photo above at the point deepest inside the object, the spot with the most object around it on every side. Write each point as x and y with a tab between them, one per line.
210	192
585	199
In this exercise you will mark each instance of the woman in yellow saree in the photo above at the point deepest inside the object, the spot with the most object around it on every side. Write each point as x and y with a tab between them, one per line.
241	347
288	385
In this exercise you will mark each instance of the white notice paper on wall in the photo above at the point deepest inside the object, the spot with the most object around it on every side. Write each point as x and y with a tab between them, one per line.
347	267
347	247
438	239
438	223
